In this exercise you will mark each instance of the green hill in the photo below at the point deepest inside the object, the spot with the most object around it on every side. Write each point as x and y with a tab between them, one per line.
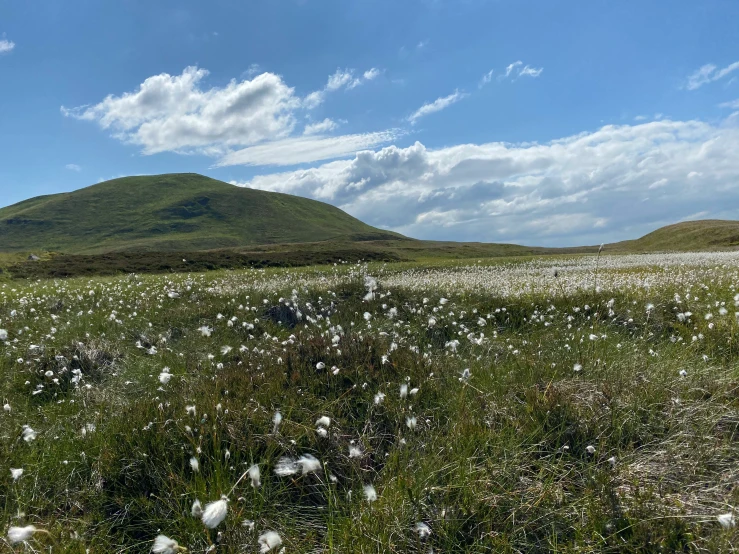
173	212
707	234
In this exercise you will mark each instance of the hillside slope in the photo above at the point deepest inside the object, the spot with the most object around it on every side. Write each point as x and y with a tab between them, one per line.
707	234
172	212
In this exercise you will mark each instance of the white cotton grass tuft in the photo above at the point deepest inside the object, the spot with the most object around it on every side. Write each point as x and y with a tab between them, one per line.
254	475
379	398
403	390
205	330
165	376
28	434
3	335
16	473
197	509
226	349
305	464
577	367
726	520
355	452
194	464
370	493
268	541
423	530
215	512
164	545
323	421
20	534
411	422
276	420
320	365
590	449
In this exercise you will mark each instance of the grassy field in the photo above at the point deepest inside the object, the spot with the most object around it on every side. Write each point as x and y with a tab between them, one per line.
558	404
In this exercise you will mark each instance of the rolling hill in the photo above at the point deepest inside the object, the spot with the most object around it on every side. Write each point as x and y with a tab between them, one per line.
172	212
707	234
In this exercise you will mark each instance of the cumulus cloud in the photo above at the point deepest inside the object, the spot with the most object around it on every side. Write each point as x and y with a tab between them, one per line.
252	121
614	183
708	74
340	79
172	113
320	127
436	106
73	167
6	46
298	150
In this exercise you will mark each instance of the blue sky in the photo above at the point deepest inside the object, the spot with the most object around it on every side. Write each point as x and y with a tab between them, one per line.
600	121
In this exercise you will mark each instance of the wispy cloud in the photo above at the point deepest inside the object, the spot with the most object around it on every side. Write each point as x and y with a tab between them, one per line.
6	46
436	106
73	167
306	149
342	78
708	74
733	105
518	69
486	79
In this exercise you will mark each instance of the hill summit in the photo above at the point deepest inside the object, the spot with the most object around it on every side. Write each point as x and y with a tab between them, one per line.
173	212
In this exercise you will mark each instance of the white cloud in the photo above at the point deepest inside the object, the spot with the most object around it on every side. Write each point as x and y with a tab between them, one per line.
6	46
486	79
733	105
320	127
371	74
529	71
172	113
340	79
614	183
518	69
73	167
293	151
512	67
436	106
708	74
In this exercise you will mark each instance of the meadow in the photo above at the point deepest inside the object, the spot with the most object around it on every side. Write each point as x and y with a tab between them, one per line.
561	404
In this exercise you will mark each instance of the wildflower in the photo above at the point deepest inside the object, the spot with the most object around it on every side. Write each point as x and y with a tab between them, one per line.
165	545
369	493
215	513
28	434
276	420
323	421
254	475
16	473
403	390
194	464
268	541
197	509
727	520
20	534
590	449
423	530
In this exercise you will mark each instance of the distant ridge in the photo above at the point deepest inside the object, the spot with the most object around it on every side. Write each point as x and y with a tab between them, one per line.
706	234
173	212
